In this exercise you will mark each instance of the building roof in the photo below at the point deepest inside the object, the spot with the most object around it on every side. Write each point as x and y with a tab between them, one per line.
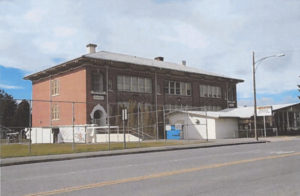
110	56
240	112
104	55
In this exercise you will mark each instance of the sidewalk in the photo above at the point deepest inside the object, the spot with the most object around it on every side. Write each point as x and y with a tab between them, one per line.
48	158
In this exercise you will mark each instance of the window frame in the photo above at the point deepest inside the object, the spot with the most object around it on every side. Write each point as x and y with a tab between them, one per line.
210	91
55	112
126	83
179	88
54	87
97	82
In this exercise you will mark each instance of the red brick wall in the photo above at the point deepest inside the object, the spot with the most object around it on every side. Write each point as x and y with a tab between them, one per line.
72	85
41	109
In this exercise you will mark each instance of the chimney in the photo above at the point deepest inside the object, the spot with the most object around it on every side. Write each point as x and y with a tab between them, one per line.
159	58
184	62
91	48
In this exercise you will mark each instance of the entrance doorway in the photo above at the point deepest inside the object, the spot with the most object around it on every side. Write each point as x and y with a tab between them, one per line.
55	132
97	117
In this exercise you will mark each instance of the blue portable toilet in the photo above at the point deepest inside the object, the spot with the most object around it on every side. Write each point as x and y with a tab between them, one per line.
173	133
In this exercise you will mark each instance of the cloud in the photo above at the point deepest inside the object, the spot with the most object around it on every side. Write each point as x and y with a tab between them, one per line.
64	31
217	36
4	86
34	15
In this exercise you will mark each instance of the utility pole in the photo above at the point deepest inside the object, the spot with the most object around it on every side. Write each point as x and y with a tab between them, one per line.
254	67
254	96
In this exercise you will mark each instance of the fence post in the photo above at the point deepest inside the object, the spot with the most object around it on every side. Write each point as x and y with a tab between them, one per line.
128	128
30	125
156	114
108	133
265	126
107	107
124	117
138	124
108	121
206	125
164	124
187	131
73	143
85	134
124	139
142	117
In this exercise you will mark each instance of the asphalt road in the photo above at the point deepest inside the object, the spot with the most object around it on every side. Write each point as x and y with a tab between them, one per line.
254	169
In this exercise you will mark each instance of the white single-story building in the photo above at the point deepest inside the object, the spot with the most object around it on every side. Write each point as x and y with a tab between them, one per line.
199	125
231	122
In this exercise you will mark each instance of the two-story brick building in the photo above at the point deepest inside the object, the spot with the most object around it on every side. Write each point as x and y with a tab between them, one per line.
86	86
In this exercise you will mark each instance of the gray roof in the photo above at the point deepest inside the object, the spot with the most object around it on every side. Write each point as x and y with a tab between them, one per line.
104	55
240	112
110	56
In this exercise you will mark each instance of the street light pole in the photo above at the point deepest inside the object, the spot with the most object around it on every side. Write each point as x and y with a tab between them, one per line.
254	67
254	92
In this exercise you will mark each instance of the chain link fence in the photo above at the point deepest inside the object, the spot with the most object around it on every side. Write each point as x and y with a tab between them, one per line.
89	126
41	125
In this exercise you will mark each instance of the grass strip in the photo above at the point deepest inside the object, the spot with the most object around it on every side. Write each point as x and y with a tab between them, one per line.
21	150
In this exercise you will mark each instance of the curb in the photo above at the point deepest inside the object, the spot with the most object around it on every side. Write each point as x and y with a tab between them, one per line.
51	158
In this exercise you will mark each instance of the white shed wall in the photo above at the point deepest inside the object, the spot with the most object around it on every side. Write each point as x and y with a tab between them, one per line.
192	130
226	128
218	128
40	135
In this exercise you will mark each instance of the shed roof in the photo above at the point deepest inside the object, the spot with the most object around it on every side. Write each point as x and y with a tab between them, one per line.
240	112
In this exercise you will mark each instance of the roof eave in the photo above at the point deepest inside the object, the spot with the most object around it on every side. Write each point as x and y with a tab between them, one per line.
34	75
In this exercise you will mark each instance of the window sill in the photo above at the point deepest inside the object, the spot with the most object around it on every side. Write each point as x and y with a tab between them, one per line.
119	91
179	95
54	95
98	93
211	97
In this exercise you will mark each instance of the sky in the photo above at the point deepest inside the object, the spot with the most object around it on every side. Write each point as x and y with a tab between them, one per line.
214	35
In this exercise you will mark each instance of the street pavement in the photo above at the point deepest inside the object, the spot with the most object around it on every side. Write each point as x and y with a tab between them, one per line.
187	144
250	169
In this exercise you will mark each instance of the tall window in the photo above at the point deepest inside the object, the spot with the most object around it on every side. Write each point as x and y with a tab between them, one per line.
231	96
178	88
55	112
54	87
97	82
141	85
134	84
210	91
